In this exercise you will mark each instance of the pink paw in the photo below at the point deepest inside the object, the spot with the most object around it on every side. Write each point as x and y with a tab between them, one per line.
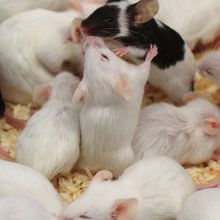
153	51
5	154
216	156
120	51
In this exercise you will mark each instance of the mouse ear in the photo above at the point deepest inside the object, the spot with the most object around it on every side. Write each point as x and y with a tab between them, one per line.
121	85
103	175
80	92
124	209
75	31
211	126
41	93
144	10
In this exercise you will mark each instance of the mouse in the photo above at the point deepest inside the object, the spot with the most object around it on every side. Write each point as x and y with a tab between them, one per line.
196	23
152	188
134	26
110	92
34	47
22	208
209	66
2	105
52	134
202	205
9	8
188	134
17	179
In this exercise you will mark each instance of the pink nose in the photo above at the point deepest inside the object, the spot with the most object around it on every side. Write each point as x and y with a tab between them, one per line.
94	41
84	29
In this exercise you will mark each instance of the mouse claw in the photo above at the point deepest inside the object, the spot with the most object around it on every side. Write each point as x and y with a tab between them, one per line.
153	51
120	51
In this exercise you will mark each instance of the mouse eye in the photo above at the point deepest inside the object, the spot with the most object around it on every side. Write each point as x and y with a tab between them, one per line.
109	20
105	57
85	217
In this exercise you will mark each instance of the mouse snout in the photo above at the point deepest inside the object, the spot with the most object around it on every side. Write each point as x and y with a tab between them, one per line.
83	29
94	41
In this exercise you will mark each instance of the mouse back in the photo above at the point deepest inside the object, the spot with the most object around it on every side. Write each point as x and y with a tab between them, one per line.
22	208
17	179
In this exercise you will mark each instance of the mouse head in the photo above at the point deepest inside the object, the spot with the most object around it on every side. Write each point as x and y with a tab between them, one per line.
61	87
101	201
115	18
210	66
205	116
103	71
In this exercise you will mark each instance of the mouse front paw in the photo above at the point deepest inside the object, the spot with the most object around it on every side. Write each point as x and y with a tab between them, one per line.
120	51
153	51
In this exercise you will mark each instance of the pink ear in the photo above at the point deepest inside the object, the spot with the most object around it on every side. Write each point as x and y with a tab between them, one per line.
124	209
122	86
80	92
211	126
41	92
75	30
103	175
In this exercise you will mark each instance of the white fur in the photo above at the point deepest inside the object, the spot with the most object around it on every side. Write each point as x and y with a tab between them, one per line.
209	66
122	20
50	141
22	208
107	119
9	8
177	79
176	132
33	47
192	20
202	205
159	184
16	179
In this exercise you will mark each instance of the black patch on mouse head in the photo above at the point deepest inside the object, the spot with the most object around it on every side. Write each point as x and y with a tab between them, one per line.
103	22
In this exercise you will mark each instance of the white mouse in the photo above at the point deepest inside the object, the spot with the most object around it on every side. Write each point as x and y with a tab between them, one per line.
209	65
153	188
9	8
202	205
50	141
188	134
112	91
17	179
34	46
22	208
195	22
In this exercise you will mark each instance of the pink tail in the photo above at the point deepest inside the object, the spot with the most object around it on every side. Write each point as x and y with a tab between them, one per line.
5	154
214	184
153	51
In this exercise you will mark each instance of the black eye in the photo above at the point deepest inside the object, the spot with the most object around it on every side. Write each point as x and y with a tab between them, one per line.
85	217
109	19
105	57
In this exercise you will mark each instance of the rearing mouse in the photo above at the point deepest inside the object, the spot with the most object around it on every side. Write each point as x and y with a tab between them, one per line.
132	25
112	91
